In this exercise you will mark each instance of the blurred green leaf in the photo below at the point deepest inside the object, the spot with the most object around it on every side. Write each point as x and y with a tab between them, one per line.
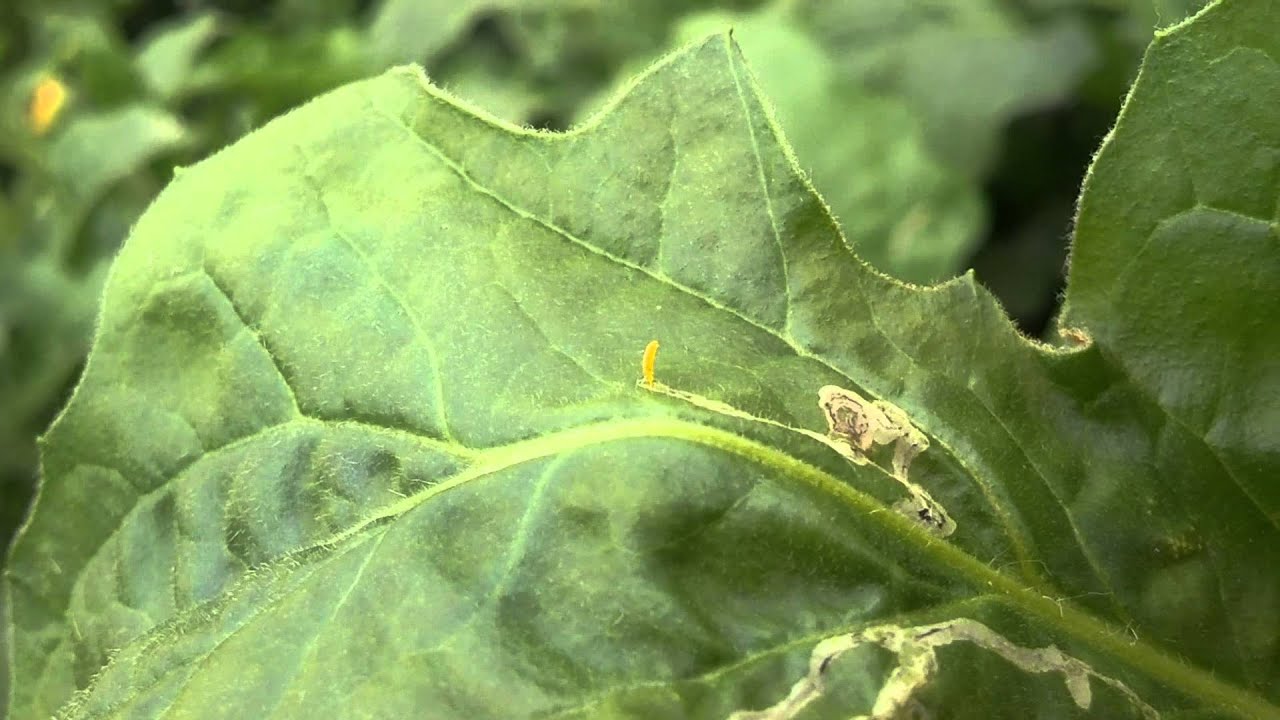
89	52
360	429
405	31
966	68
233	75
167	58
95	151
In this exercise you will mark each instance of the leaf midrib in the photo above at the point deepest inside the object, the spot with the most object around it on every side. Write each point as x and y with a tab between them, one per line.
1169	670
1107	639
1012	532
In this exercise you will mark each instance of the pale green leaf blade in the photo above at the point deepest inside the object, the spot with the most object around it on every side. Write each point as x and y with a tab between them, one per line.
360	430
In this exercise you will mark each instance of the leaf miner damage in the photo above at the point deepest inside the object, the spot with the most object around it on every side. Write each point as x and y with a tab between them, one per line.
916	648
855	425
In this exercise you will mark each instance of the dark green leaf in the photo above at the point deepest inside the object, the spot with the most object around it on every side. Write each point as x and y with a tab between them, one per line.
1174	272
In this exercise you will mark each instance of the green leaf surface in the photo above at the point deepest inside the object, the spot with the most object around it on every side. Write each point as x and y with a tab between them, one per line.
360	428
1194	259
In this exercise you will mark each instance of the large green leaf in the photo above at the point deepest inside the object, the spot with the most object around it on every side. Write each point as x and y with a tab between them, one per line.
415	30
1177	284
360	433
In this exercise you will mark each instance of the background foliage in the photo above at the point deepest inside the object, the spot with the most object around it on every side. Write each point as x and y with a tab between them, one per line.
948	135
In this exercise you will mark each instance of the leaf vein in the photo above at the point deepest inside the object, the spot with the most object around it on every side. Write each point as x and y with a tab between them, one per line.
310	648
415	320
783	336
1272	519
764	185
257	336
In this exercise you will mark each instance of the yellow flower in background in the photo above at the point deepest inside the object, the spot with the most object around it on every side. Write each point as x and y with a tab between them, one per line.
47	101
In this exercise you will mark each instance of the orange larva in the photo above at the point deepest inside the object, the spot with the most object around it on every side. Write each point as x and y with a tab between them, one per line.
647	360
